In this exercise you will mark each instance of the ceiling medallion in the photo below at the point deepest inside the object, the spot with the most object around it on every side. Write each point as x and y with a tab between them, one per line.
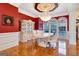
41	7
45	8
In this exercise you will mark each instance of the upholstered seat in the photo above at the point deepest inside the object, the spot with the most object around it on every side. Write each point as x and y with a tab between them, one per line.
51	39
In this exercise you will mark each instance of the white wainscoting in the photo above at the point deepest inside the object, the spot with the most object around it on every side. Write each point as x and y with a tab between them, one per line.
8	40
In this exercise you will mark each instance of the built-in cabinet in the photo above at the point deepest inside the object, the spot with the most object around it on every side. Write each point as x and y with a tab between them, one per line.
27	27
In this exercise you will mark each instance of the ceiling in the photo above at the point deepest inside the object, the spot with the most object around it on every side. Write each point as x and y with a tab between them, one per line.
63	9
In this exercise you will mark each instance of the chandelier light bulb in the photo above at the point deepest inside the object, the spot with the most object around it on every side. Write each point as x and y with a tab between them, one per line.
45	18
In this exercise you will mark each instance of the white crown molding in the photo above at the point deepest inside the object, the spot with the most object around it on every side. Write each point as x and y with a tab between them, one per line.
26	12
15	4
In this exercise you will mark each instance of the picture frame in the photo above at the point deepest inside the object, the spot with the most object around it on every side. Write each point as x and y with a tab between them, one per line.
7	20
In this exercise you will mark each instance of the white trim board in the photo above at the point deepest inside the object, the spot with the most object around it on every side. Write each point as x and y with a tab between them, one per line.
8	40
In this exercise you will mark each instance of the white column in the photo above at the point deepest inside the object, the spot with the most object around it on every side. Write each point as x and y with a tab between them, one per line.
72	24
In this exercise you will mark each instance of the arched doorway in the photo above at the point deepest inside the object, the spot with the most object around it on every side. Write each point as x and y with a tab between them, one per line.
63	36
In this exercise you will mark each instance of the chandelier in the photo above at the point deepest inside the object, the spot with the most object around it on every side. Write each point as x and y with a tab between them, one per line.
45	8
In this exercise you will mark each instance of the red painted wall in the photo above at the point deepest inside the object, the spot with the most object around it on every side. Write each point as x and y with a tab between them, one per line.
7	9
36	20
25	17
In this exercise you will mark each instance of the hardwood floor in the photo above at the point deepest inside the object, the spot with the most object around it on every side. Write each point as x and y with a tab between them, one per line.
32	49
77	47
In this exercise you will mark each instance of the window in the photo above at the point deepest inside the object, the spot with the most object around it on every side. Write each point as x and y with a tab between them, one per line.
53	26
46	27
40	25
49	26
62	27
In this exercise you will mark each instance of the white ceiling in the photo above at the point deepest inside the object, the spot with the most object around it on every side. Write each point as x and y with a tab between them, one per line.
63	9
15	4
